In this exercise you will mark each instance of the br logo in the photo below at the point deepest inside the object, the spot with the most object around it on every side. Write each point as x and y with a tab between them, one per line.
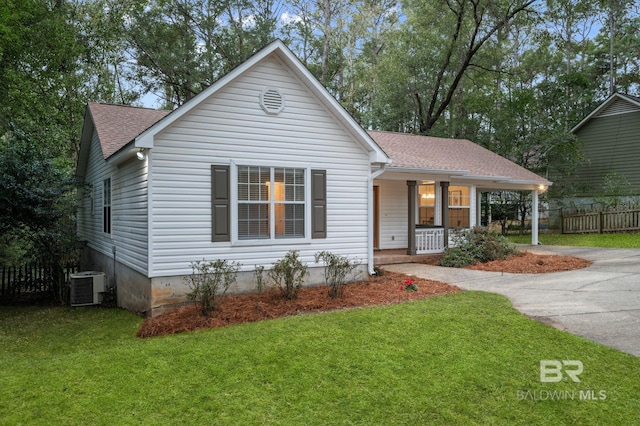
552	370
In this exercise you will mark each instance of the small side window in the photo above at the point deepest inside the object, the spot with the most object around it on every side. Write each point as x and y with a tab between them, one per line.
106	206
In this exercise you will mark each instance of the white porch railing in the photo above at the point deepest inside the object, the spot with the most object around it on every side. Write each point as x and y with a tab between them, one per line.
429	240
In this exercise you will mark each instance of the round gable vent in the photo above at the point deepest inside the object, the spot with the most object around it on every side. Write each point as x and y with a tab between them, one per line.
271	101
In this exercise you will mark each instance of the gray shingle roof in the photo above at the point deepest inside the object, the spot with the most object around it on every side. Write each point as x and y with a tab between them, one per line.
450	155
117	125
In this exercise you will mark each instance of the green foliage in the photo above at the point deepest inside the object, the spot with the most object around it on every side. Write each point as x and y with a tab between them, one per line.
336	271
180	48
210	281
42	61
477	245
288	274
617	192
258	274
37	207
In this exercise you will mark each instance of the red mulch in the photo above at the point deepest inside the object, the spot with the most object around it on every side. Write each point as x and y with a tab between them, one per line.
383	290
530	263
241	308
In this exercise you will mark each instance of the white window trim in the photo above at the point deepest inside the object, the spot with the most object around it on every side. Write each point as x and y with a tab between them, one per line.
233	174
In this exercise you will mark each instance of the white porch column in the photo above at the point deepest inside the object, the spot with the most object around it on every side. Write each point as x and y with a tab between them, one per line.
534	217
411	217
445	211
478	207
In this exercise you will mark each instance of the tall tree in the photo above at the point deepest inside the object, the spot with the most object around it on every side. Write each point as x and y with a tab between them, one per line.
437	44
182	46
42	83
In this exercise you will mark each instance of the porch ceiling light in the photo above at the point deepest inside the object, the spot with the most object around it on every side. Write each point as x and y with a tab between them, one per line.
542	188
142	154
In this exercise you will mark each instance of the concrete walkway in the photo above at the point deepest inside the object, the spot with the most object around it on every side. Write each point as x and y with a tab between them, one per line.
601	302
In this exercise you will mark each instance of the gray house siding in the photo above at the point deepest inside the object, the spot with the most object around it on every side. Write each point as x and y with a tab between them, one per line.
610	143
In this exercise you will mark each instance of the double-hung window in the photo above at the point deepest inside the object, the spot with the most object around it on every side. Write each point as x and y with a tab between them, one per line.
459	206
271	202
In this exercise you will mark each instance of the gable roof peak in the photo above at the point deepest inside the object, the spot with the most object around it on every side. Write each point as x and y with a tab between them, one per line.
299	70
616	103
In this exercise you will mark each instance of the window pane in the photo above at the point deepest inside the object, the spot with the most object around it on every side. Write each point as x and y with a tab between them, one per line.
426	215
459	217
426	195
293	180
253	221
253	183
459	196
289	220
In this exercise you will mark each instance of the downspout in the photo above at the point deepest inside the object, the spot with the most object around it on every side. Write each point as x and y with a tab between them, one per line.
372	177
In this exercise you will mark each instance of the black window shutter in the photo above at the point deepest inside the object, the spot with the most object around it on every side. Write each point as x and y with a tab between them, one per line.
318	204
220	204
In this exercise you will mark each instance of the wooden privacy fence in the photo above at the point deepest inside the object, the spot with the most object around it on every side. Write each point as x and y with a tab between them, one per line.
600	222
31	280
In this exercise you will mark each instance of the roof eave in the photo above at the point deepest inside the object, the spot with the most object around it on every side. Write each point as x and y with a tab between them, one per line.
427	171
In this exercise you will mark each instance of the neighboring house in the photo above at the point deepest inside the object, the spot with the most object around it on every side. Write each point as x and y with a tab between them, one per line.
262	162
610	138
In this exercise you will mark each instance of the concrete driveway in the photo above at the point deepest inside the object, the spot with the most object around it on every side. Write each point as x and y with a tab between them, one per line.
601	302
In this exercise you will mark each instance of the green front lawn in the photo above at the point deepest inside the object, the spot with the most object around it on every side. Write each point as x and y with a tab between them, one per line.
458	359
585	240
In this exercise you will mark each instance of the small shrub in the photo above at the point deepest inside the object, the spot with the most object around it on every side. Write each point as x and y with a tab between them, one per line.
209	281
336	271
258	274
477	245
288	274
456	257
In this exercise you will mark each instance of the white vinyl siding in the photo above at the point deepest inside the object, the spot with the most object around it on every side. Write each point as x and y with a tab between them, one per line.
129	214
128	209
90	223
231	127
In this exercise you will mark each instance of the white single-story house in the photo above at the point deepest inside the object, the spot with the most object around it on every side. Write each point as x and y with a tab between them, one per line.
262	162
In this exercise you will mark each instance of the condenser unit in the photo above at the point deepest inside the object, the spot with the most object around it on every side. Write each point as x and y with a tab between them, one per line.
87	288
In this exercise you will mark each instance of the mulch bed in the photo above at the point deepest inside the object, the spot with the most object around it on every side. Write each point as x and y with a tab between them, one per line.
379	290
530	263
242	308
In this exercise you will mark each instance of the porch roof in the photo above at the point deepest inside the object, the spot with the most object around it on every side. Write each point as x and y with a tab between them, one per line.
456	157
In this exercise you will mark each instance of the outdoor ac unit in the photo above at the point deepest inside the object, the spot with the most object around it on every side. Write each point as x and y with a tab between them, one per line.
87	288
